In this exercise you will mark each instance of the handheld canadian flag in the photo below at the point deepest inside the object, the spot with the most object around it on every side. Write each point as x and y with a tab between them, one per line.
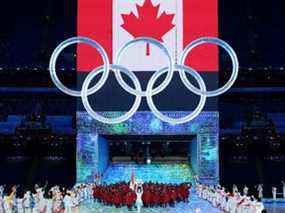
133	181
175	23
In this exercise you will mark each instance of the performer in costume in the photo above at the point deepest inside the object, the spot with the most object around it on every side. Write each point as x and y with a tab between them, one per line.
67	203
57	196
74	201
199	189
233	204
139	193
89	191
49	202
6	205
27	201
20	206
1	203
36	199
2	191
98	178
235	189
196	179
11	200
81	194
245	191
41	201
2	198
283	189
260	191
274	192
133	182
259	207
77	197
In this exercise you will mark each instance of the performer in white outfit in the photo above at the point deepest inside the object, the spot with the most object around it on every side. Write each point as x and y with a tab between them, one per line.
67	203
1	203
283	189
20	206
235	189
245	191
230	203
196	179
199	189
2	198
49	203
27	202
77	198
40	199
274	192
57	201
260	191
2	191
259	207
7	205
139	193
233	205
36	203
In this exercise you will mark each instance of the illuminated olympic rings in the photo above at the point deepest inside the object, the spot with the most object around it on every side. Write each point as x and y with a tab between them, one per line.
150	91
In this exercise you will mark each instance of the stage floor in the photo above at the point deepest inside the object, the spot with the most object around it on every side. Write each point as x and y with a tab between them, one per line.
155	172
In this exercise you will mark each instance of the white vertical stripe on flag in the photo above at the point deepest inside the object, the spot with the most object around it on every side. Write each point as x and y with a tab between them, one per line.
136	58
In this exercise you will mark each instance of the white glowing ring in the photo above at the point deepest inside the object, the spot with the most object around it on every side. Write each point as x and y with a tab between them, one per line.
194	113
66	43
127	115
168	77
229	50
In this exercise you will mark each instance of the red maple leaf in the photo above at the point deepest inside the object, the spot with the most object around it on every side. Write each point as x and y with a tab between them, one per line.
147	24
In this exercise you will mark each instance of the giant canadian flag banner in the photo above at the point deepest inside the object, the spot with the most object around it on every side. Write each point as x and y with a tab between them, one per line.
175	23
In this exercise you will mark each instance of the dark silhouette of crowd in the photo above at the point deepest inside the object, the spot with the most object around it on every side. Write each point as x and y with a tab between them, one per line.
154	194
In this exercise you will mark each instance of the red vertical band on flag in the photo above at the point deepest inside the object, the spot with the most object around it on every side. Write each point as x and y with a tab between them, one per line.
200	18
94	20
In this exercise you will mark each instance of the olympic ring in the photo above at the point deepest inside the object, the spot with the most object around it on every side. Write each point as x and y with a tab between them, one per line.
150	91
169	75
229	50
193	114
84	96
65	44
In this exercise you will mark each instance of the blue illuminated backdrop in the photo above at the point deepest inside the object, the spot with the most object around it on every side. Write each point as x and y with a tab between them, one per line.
92	150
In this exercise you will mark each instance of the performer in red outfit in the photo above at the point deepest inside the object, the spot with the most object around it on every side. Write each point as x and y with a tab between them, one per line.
154	194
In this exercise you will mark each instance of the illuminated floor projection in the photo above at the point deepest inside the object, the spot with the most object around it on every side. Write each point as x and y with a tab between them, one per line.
155	172
93	153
